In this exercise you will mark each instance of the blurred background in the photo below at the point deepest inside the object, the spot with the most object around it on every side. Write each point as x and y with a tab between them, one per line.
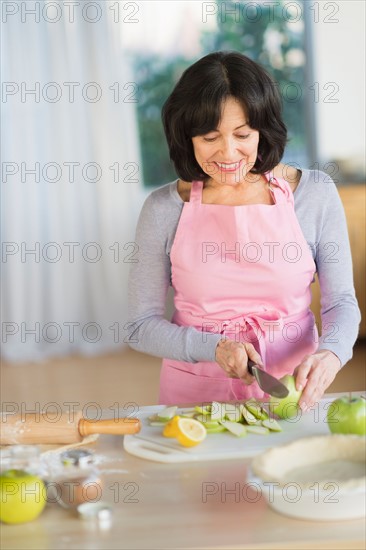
82	145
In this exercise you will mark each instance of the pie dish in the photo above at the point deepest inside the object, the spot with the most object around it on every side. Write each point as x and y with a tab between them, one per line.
316	478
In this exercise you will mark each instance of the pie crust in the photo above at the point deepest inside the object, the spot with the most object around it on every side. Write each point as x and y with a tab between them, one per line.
324	459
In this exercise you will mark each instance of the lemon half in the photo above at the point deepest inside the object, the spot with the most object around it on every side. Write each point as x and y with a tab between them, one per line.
190	432
170	429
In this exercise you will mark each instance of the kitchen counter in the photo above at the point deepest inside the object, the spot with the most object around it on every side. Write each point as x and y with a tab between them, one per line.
197	505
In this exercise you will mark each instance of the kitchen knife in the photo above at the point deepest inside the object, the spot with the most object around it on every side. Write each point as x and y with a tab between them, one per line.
267	382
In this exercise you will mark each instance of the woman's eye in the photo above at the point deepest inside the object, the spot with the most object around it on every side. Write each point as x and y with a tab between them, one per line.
210	139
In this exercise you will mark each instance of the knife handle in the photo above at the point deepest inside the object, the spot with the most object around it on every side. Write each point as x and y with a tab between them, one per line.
250	365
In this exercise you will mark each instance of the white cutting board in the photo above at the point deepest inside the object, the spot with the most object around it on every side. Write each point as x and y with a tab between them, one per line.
150	444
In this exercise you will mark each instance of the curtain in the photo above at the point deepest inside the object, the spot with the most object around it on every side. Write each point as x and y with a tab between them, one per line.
71	185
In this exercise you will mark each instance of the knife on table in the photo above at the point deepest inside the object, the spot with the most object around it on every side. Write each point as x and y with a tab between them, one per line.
267	382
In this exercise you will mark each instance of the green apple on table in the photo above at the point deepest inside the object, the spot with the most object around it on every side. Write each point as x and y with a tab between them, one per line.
22	496
288	406
347	415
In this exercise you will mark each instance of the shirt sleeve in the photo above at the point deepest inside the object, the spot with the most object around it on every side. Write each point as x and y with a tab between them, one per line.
149	281
340	314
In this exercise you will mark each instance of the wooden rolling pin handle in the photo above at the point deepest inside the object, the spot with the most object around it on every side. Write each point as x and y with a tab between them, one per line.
114	426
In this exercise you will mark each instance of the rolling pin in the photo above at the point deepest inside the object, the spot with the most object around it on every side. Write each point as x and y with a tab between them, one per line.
34	428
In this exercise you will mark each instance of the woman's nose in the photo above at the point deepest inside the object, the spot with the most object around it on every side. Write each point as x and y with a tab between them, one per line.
228	148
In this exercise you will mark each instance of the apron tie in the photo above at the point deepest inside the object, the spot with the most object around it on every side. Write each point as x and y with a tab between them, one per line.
259	323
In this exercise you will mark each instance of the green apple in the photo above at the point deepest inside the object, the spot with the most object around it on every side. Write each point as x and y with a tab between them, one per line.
288	406
22	496
347	415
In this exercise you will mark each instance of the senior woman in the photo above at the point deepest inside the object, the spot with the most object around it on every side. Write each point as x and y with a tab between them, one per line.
239	237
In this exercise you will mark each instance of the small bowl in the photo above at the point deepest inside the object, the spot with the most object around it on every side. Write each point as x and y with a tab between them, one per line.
100	512
317	478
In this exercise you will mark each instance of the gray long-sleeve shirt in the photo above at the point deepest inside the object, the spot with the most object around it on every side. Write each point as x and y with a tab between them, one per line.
321	216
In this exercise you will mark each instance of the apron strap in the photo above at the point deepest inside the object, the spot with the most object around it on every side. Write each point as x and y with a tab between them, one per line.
196	192
278	188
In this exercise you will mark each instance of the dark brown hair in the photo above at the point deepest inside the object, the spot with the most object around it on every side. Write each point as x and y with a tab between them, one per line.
194	108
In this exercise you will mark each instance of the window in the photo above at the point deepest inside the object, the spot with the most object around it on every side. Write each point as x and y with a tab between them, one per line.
176	34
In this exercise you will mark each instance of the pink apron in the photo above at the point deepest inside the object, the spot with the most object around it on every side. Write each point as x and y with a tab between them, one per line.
245	272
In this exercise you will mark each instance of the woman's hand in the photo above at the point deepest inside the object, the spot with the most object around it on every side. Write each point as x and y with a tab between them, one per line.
233	357
315	374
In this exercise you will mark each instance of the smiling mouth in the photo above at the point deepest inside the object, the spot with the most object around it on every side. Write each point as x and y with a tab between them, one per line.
228	167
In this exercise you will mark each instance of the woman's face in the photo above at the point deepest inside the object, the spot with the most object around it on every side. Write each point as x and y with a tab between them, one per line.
228	153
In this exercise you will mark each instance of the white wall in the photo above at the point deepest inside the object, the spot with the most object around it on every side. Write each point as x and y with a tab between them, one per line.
339	57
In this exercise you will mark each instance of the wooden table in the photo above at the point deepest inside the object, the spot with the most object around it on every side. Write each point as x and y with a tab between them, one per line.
165	506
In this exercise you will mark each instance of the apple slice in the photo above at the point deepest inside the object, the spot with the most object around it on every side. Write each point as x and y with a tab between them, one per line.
232	416
204	409
232	412
211	424
248	416
272	424
155	418
264	414
234	427
217	411
188	414
203	418
259	430
167	414
254	407
216	429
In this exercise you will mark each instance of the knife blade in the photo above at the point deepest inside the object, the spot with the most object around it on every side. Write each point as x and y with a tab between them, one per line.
267	382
